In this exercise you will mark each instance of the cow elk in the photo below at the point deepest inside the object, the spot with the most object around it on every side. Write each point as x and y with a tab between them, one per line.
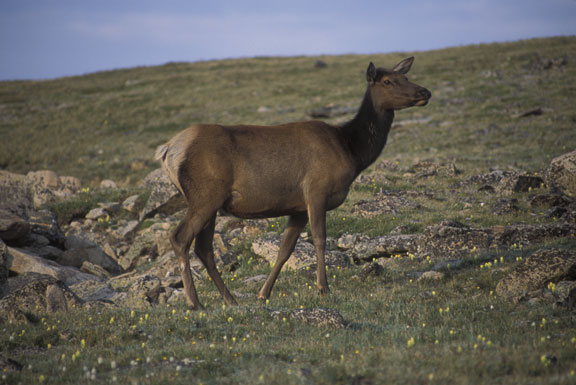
299	170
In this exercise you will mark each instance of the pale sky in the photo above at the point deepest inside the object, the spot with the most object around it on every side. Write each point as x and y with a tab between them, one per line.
42	39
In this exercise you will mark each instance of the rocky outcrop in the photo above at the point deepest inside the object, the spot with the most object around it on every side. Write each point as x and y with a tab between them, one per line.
4	268
384	203
561	174
32	292
538	271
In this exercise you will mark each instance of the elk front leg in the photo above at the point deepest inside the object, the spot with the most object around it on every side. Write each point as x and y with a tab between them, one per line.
293	229
317	215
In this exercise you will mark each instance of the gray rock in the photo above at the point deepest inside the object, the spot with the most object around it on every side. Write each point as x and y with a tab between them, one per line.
317	316
368	249
561	174
39	293
164	198
90	291
43	222
15	193
371	270
537	271
95	255
22	261
12	227
126	230
452	240
515	183
255	279
130	203
96	213
431	276
144	292
303	255
143	245
108	184
384	203
75	241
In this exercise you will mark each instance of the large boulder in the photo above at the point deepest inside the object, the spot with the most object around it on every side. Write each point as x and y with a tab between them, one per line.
22	261
366	249
536	272
561	174
144	292
164	197
15	193
95	255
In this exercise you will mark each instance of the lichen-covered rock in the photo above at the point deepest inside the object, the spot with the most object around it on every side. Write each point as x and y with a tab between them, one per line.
452	240
317	316
561	174
303	255
39	293
385	203
367	249
537	271
94	255
144	292
164	198
526	235
143	245
371	270
516	182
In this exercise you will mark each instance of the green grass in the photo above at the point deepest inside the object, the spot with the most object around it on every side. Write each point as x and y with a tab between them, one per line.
399	330
106	126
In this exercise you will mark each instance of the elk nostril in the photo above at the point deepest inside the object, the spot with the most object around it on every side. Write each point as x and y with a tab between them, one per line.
425	93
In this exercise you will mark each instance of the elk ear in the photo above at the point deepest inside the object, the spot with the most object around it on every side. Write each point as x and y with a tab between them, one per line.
371	73
404	66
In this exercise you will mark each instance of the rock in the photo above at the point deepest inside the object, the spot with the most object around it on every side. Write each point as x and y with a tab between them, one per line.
549	200
537	271
164	198
95	255
13	228
110	207
515	183
97	270
47	187
317	316
130	203
452	240
505	206
255	279
320	64
431	276
143	245
43	222
144	292
386	246
303	255
126	230
3	269
21	261
74	241
526	235
108	184
385	203
15	193
371	270
96	213
90	291
39	292
561	174
428	168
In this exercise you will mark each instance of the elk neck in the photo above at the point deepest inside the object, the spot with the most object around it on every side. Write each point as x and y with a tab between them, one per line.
366	134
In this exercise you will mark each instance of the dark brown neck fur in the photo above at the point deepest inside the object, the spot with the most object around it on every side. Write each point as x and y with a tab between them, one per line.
367	133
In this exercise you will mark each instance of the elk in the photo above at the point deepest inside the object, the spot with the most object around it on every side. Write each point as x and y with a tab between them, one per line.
300	170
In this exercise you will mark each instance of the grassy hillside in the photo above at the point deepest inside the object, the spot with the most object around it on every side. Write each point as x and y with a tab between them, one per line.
107	125
401	330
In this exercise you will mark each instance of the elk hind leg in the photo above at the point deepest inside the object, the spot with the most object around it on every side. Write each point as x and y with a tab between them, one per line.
205	251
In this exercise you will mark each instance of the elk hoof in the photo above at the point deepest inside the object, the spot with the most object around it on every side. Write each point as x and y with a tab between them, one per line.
323	290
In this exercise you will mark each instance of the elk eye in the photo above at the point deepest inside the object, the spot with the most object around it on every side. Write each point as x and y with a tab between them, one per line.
387	82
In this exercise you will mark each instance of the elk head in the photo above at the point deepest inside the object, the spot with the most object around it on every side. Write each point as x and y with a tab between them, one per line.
391	90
